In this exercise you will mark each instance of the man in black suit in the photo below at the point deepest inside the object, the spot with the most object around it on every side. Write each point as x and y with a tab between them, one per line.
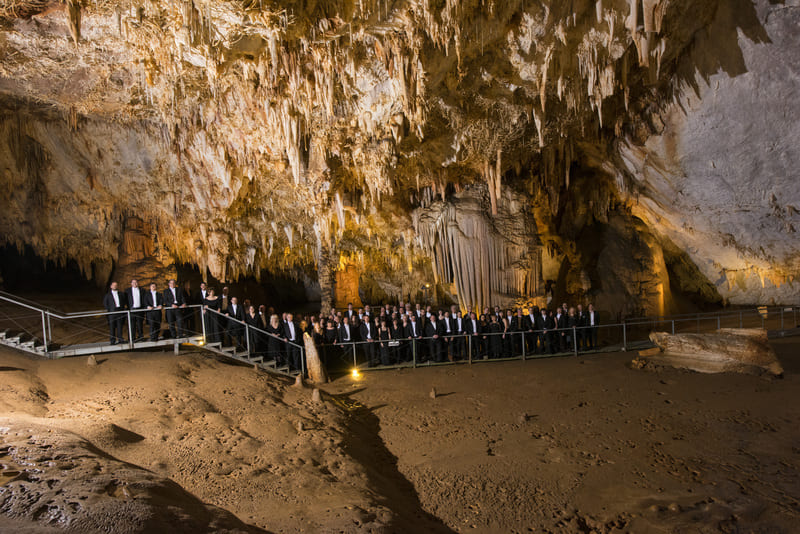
580	333
154	301
518	324
550	332
368	334
291	332
414	333
459	343
135	297
235	329
474	330
433	332
114	301
561	327
592	323
530	327
173	302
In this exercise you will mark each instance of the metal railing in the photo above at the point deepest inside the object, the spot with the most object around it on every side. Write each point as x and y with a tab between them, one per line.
632	334
250	333
57	332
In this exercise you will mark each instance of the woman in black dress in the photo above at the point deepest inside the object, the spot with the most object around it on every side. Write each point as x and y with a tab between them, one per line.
252	319
275	342
329	339
496	336
385	335
211	319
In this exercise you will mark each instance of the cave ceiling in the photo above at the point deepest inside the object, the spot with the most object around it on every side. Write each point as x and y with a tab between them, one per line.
301	136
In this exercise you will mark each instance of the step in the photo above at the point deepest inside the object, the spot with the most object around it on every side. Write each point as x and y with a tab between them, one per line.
12	340
40	349
27	345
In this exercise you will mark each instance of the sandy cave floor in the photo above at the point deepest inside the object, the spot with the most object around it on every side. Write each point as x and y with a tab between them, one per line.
146	442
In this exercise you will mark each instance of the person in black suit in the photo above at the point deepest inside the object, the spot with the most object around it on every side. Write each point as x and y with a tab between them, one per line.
550	332
114	301
235	328
414	333
434	332
592	323
580	334
475	332
561	329
368	335
173	302
135	297
458	345
275	341
154	302
530	326
517	326
291	332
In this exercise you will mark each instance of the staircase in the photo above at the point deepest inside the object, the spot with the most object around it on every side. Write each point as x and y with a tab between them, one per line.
26	326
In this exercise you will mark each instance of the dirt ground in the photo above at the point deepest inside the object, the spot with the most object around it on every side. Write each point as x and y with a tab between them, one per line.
148	442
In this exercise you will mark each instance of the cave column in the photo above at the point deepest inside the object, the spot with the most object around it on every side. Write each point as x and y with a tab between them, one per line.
325	271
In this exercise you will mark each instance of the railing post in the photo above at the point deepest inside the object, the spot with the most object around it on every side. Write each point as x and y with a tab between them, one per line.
414	352
203	324
355	359
49	337
624	337
130	329
303	361
523	345
719	326
469	348
247	338
673	327
44	332
574	341
782	308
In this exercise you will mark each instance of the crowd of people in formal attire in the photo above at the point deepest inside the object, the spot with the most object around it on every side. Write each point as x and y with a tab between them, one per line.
396	334
389	335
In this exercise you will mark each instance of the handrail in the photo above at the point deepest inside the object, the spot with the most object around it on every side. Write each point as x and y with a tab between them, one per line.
257	329
18	303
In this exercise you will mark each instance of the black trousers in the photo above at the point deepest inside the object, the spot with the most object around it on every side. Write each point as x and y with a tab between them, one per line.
293	357
369	352
116	325
175	321
154	322
458	347
137	323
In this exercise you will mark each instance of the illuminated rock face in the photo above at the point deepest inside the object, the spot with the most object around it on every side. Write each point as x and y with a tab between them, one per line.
260	137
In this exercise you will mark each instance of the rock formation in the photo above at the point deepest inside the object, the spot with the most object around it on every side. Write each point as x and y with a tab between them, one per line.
728	350
250	138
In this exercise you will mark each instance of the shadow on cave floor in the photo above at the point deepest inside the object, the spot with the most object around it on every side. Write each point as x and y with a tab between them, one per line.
393	490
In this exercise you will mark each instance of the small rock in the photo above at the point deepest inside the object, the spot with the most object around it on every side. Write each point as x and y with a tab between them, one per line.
433	393
315	396
91	361
299	381
299	426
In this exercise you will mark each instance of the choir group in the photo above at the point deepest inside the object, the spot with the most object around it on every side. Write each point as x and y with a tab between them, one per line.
390	335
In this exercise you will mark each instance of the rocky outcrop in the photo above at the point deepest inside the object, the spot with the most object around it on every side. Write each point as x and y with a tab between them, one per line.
728	350
53	480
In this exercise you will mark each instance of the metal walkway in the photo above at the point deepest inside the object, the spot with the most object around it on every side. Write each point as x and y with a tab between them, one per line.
39	330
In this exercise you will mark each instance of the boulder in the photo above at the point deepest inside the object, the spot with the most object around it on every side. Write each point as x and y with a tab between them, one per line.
727	350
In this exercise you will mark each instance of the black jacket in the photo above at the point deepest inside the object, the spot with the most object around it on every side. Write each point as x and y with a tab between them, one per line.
110	305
